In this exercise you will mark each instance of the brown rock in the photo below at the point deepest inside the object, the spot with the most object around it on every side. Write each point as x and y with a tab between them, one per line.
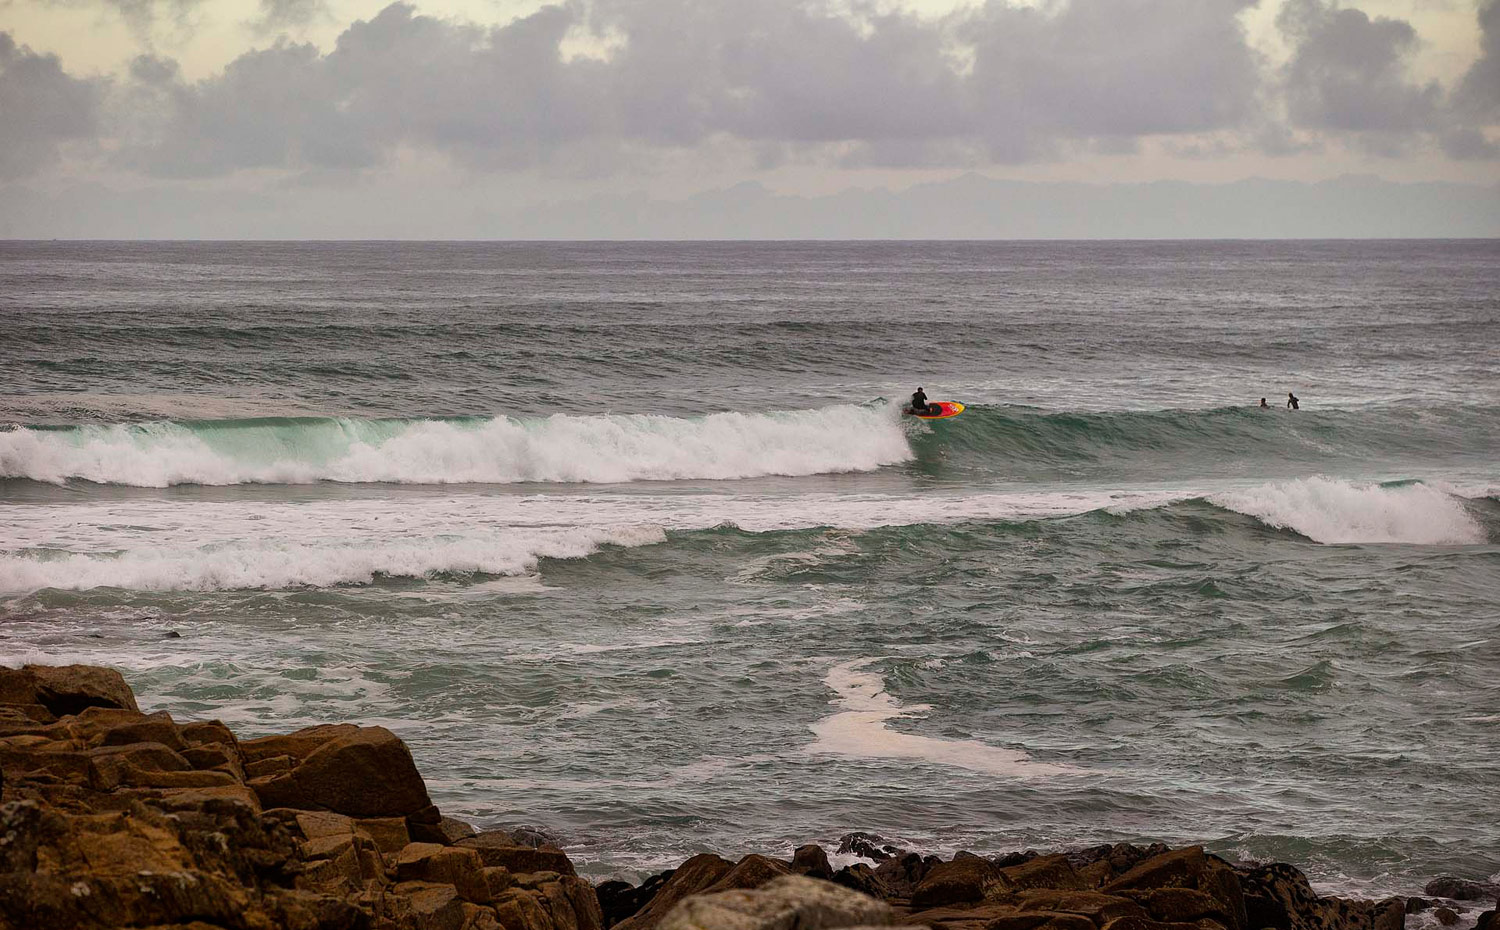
271	765
958	918
494	849
1180	868
433	907
1446	916
1145	923
1461	889
65	689
750	872
791	901
364	773
1390	914
207	733
1040	920
518	909
1043	872
961	881
863	879
151	728
902	874
1180	905
452	865
110	767
812	861
692	877
298	745
447	830
1100	908
388	833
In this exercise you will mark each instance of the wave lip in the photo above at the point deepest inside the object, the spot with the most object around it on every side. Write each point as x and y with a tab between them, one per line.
1333	510
502	450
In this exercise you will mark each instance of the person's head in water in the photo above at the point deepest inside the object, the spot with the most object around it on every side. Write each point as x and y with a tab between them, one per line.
1263	402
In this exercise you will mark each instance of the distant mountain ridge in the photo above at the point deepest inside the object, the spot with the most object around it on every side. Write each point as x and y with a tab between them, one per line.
969	206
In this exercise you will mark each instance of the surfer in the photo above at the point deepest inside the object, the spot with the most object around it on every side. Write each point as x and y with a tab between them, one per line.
1291	401
1264	405
919	402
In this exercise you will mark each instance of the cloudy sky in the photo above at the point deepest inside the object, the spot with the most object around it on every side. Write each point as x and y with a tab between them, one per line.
272	117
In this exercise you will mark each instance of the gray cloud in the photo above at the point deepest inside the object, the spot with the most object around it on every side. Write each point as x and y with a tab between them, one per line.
41	107
787	76
281	15
1349	73
1479	94
786	81
141	16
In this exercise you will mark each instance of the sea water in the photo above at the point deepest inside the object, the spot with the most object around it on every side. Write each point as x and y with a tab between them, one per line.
630	542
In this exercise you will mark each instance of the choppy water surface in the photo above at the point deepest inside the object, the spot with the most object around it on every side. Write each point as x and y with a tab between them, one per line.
630	542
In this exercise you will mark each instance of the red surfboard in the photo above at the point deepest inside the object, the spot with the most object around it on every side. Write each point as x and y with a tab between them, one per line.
946	409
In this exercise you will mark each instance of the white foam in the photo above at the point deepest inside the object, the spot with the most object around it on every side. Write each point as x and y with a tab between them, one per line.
160	544
860	730
597	449
1333	510
249	563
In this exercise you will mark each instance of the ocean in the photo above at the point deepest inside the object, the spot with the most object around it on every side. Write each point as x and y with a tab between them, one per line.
630	542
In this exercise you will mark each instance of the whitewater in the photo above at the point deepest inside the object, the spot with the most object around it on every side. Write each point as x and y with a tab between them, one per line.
626	539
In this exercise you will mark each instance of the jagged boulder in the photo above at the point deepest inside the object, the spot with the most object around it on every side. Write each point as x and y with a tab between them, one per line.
65	689
366	772
961	881
692	877
497	848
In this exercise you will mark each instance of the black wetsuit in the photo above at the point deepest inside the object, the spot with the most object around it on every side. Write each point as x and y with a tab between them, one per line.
919	403
1291	401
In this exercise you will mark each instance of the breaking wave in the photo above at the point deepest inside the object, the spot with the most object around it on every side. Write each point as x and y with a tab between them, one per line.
500	450
1332	510
245	564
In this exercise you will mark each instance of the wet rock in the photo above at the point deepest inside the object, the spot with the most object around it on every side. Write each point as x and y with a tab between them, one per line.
1181	905
496	847
1390	914
1416	905
1446	916
1099	908
1461	889
364	773
533	836
868	846
958	882
1179	868
1021	857
810	860
448	830
1487	921
1041	920
1042	872
863	879
297	745
65	689
902	874
790	901
692	877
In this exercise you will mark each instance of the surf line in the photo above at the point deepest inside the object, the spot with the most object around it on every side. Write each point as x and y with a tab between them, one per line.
860	730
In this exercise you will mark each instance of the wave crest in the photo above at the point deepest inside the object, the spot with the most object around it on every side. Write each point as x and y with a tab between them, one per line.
1332	510
502	450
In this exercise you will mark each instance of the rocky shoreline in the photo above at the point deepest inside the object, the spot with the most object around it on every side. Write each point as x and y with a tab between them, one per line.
111	817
